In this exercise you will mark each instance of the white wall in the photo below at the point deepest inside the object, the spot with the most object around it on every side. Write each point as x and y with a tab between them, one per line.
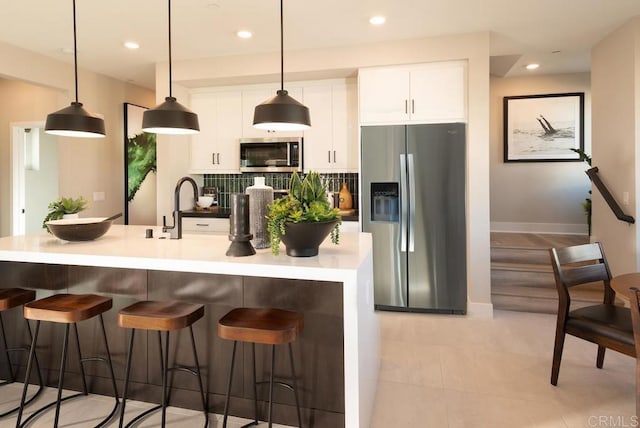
41	185
615	91
537	196
341	62
34	86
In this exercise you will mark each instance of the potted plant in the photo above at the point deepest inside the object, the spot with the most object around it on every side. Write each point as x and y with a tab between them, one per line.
64	206
303	218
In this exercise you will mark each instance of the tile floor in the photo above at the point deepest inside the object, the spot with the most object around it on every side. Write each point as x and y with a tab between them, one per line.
446	371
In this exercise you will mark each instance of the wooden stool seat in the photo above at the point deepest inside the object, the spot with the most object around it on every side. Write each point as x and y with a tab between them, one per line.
161	316
67	308
12	297
261	325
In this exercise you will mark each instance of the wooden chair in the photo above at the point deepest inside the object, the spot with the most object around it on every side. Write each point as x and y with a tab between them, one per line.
606	325
635	317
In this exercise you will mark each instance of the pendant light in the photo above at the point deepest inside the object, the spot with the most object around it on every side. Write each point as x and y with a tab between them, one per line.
74	121
282	112
170	117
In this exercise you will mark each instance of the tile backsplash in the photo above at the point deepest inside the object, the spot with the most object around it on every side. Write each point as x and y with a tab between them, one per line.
234	183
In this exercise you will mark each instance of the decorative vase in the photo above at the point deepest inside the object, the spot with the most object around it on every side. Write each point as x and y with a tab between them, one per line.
303	239
260	195
239	233
346	201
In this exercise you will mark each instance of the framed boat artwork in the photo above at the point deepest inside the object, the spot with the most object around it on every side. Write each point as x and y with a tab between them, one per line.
140	167
543	128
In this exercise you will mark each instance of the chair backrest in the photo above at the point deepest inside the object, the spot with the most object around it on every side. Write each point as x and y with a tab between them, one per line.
580	264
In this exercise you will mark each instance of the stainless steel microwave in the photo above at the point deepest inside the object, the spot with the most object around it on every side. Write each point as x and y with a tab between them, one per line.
282	154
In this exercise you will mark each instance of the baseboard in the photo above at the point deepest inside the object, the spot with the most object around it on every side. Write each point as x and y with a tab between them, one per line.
479	310
553	228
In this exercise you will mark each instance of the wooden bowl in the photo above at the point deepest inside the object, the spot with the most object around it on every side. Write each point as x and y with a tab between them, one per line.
79	229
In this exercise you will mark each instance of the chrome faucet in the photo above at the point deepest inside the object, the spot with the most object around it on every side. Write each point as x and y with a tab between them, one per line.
175	231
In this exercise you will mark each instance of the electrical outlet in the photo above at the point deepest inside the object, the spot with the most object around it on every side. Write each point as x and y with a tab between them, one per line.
625	198
98	196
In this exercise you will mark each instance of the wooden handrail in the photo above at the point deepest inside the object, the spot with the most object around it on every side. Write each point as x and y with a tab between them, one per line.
615	207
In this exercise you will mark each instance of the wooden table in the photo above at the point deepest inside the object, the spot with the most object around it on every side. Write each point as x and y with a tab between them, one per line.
622	284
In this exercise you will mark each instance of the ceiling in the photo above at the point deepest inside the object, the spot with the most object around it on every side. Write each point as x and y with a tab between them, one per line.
557	34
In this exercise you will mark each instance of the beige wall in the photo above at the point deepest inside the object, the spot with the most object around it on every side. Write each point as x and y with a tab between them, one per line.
615	90
85	165
340	62
537	196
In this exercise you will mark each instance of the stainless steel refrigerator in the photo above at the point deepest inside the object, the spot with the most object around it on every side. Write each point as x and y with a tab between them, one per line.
413	202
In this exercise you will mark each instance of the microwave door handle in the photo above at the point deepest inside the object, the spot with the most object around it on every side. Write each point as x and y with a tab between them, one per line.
403	203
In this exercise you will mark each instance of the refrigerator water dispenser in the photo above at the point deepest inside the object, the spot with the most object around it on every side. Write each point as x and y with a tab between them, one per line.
385	202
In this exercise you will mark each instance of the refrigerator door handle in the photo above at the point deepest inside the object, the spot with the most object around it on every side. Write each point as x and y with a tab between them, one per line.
403	202
412	203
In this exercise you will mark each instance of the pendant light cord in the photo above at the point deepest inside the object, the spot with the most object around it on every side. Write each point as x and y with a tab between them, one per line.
75	50
170	76
281	48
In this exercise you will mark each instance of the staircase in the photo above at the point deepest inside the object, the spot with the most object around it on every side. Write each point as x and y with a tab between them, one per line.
522	276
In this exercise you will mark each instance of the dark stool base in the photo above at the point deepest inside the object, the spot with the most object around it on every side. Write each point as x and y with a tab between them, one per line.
12	378
63	364
164	363
256	383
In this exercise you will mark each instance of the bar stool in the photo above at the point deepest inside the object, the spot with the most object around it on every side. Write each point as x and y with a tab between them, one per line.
11	298
161	316
67	309
268	326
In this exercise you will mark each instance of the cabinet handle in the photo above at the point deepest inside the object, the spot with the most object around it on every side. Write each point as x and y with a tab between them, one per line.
334	156
202	224
329	156
213	158
413	106
218	158
406	107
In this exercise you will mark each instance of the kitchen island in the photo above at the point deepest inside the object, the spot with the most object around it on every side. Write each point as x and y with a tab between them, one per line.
337	354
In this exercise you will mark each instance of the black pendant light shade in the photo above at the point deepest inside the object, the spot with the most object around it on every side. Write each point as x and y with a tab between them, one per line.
74	121
170	117
282	112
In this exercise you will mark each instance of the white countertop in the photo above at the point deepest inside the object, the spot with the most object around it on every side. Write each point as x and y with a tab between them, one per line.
126	247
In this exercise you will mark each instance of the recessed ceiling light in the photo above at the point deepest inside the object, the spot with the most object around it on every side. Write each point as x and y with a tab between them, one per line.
532	66
378	20
131	45
244	34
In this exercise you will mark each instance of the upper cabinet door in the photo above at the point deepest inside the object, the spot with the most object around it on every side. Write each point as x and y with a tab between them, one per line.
345	127
215	148
423	93
318	140
438	93
251	98
384	95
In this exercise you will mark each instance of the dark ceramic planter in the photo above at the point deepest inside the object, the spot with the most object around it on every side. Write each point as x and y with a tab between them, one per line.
303	239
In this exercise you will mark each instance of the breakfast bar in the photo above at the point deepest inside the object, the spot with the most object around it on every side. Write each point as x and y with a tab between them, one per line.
338	351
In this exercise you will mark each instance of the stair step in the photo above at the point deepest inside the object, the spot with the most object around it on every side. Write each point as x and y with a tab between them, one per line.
531	304
535	240
520	255
593	295
522	267
518	278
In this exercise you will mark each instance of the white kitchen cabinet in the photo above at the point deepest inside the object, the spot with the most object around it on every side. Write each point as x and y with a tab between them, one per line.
251	98
331	145
205	225
424	93
215	148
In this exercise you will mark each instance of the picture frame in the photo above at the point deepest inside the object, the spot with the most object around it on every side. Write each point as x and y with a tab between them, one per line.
543	128
140	166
